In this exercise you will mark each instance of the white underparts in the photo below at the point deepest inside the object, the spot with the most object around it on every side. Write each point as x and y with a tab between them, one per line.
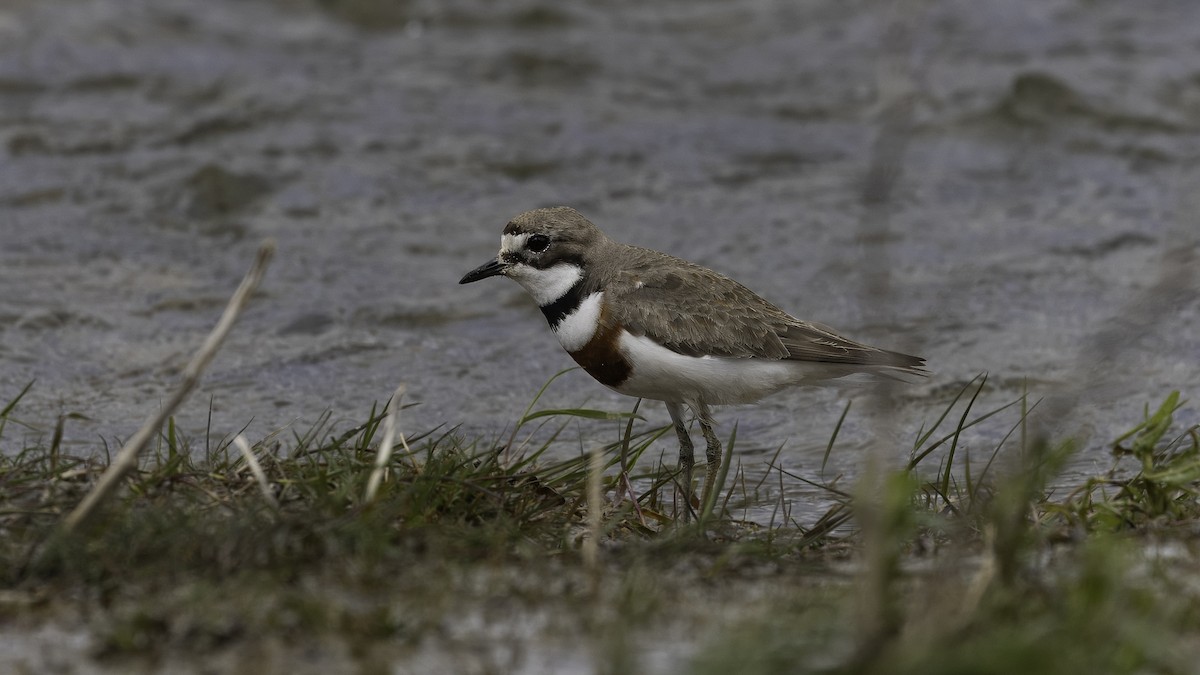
545	286
577	328
665	375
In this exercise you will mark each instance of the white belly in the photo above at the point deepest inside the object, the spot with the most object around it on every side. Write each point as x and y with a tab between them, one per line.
663	375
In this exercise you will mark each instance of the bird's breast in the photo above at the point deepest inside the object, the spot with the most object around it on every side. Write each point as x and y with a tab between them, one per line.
591	338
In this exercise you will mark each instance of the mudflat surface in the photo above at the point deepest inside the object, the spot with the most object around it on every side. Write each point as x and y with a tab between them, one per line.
1041	227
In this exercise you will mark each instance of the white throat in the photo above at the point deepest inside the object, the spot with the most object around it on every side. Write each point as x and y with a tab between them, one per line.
546	286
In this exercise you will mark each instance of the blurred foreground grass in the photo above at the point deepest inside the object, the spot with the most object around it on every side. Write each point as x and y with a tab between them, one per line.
470	555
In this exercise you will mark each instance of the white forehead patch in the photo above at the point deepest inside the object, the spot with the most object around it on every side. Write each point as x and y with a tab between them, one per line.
513	242
545	286
577	328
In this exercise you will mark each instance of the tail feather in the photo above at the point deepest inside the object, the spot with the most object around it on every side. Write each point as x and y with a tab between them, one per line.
912	365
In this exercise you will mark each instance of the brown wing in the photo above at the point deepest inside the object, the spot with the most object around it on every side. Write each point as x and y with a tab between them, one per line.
815	342
694	311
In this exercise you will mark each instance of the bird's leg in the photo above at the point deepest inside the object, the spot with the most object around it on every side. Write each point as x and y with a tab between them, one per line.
712	454
687	458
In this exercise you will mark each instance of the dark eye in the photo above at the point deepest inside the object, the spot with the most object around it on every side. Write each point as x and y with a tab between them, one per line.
537	243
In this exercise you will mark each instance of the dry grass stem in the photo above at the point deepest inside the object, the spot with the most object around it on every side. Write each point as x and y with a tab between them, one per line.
255	468
127	457
591	542
384	454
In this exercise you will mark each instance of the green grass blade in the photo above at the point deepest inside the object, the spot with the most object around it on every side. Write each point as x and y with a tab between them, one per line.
833	437
962	420
585	413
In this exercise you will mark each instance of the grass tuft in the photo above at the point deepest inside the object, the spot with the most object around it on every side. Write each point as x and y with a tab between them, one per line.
974	568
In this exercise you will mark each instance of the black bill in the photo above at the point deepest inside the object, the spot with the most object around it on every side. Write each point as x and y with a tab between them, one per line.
490	268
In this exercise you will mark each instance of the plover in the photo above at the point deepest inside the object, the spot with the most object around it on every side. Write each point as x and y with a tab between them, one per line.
650	325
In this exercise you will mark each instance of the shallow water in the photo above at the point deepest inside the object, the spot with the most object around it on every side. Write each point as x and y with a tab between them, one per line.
1046	175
